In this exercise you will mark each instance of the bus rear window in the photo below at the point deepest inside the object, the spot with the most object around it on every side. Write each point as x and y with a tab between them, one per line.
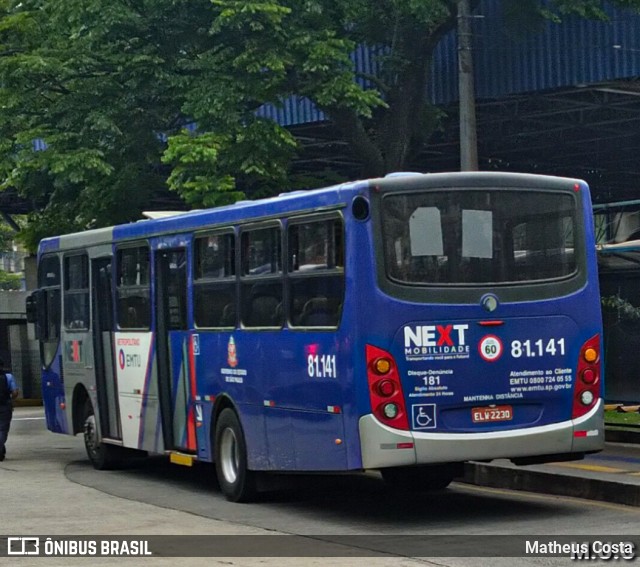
478	237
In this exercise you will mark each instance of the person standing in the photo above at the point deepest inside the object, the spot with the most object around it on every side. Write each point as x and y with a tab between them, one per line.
8	392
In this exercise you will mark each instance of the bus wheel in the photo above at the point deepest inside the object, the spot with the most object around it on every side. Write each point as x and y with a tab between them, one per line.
101	455
421	479
237	483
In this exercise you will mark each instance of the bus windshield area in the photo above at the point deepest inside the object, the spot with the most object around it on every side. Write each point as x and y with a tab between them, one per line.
477	237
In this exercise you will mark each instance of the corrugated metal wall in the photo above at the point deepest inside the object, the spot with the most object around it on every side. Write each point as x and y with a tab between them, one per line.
294	110
576	52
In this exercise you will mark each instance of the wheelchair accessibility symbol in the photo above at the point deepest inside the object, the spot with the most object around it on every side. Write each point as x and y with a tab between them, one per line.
424	416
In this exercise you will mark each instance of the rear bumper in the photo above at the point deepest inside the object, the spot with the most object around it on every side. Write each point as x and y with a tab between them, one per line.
379	443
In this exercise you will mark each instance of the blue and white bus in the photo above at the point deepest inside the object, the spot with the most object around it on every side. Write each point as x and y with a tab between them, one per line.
407	324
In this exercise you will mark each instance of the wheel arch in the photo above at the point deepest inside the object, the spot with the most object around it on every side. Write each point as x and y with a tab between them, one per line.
223	401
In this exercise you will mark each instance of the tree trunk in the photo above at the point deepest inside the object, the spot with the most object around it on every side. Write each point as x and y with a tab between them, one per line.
387	142
362	145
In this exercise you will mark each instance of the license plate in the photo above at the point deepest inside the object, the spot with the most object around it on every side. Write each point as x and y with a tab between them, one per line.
496	413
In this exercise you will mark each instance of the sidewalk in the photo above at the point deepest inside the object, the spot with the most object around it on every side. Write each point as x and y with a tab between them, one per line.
610	476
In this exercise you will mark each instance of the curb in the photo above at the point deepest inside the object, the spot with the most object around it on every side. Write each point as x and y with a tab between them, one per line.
495	476
613	435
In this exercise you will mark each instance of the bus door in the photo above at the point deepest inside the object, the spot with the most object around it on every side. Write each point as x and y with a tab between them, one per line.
103	325
175	385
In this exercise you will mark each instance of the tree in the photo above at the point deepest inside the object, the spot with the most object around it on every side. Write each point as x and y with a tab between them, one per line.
10	280
100	83
103	85
132	95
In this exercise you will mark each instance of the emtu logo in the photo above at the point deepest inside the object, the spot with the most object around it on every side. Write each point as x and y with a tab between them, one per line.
435	339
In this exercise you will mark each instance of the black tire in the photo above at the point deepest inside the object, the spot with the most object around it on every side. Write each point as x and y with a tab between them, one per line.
421	479
101	455
237	483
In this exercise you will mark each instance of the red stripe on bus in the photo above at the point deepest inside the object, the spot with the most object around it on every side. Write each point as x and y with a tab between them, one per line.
191	423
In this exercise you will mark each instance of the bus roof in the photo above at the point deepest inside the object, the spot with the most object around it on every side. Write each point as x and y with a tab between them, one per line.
285	203
164	222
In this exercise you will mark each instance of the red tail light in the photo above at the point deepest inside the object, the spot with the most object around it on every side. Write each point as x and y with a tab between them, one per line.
586	389
385	389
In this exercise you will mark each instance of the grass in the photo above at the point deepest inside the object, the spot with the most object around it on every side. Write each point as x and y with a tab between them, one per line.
619	418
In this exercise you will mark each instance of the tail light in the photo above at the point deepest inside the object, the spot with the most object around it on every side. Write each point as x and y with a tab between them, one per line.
385	389
586	390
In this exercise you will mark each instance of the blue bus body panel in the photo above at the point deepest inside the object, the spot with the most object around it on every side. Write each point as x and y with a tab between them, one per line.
292	421
307	398
437	348
530	366
464	388
53	396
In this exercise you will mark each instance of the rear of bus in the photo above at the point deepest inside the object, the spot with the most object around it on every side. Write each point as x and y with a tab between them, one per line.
486	338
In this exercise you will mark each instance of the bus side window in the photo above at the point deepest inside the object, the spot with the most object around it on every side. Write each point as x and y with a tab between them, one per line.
133	288
316	272
261	285
214	281
133	312
49	307
76	292
265	306
320	312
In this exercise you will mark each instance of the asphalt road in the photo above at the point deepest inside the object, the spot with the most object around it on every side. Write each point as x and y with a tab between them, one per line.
49	488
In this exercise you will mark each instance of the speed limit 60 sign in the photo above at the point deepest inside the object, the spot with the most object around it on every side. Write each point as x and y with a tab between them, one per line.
490	348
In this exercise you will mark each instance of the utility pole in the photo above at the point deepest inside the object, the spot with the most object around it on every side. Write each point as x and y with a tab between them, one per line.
468	135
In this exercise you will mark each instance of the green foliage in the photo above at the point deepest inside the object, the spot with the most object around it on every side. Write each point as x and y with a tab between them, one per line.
621	307
96	82
7	236
111	86
9	281
530	16
196	171
593	9
202	162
